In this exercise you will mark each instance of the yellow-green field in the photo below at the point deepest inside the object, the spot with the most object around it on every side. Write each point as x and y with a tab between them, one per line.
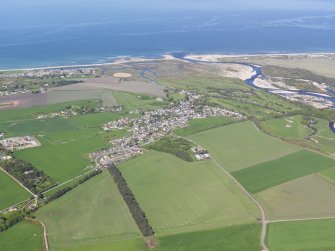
180	196
91	214
241	145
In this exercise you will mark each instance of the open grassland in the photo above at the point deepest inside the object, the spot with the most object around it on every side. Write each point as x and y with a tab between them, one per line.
179	196
292	129
309	196
90	217
63	155
287	128
314	235
241	145
132	101
10	192
95	120
37	127
121	245
23	236
200	125
328	174
31	113
275	172
235	238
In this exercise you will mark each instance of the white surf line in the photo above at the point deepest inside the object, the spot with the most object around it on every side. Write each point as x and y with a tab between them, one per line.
249	195
18	182
302	219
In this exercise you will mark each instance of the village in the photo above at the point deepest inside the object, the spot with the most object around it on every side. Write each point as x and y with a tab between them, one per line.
155	124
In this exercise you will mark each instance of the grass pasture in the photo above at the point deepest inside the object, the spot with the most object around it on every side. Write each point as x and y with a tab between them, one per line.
199	125
36	127
241	145
275	172
328	174
235	238
132	101
179	196
63	155
291	129
308	196
288	128
22	236
314	235
10	192
90	217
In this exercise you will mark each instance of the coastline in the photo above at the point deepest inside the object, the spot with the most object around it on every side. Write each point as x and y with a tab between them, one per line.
169	56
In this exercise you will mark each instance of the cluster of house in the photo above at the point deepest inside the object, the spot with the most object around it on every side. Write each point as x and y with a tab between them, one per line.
18	143
155	124
200	153
63	73
73	111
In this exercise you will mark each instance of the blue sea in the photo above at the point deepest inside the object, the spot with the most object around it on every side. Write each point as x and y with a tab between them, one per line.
68	33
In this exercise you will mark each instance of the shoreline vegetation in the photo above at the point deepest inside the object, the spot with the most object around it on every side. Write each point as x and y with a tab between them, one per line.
205	57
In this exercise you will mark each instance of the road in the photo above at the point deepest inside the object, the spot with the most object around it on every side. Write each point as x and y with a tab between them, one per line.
249	195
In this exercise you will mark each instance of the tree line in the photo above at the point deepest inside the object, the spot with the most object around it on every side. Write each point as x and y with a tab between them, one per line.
134	208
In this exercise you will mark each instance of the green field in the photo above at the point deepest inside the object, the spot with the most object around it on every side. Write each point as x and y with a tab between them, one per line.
37	127
92	215
236	238
308	196
329	174
23	236
132	101
272	173
63	155
179	196
96	119
316	235
30	113
289	127
199	125
10	192
241	145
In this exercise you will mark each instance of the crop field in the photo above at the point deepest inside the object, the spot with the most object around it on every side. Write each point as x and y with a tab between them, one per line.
95	120
60	96
37	127
199	125
180	196
132	101
23	236
241	145
90	217
235	238
275	172
10	192
329	174
308	196
30	113
122	245
63	154
314	235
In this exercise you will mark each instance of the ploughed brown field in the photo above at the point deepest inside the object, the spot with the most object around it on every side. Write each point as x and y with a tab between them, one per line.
22	101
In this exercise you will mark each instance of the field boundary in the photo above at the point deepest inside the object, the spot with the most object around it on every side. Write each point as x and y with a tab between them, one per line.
249	195
45	234
18	182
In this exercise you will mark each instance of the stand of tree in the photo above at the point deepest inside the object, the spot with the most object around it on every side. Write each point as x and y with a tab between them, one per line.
11	218
33	179
134	208
63	191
